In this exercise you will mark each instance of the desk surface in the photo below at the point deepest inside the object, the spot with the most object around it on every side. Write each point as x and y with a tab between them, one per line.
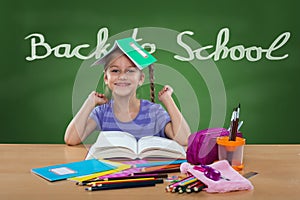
277	165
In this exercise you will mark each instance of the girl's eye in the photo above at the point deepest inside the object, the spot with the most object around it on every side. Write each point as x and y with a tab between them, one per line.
114	70
131	70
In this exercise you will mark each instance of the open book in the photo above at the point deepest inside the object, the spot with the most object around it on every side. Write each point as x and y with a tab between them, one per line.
117	144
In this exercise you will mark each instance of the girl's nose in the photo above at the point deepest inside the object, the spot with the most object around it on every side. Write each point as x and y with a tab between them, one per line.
123	76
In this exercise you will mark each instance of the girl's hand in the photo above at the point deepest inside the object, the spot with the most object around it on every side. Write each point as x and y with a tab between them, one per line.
165	93
97	99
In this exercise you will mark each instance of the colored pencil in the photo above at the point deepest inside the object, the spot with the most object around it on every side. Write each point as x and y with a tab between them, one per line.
126	177
139	176
122	185
184	184
160	163
119	181
147	169
188	181
161	171
199	187
191	187
170	187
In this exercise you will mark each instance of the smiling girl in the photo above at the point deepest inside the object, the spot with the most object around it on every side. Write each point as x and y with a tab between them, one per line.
124	111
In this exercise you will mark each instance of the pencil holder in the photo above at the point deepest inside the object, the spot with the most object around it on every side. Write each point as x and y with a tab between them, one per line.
232	151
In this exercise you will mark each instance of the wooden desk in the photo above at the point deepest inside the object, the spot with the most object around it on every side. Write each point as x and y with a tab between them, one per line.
278	167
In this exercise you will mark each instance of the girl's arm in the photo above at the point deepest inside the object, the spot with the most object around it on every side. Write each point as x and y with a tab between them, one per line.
177	129
81	125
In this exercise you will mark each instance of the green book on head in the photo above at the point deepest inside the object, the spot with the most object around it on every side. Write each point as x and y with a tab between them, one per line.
137	54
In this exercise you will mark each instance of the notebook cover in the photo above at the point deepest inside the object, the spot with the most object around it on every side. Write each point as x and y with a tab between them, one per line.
68	170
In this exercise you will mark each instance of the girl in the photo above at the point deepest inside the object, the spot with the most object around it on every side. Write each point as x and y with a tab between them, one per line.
125	112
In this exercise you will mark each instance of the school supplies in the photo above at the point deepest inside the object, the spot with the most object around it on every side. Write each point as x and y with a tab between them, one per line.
138	176
234	122
188	184
233	181
159	171
123	182
126	172
161	163
153	176
96	183
137	54
231	147
117	144
202	147
232	151
122	185
250	174
154	168
210	172
67	170
195	187
120	167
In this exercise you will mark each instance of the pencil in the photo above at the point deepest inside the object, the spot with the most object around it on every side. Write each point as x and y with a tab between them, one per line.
160	163
138	176
199	187
122	185
156	180
183	185
196	186
161	171
147	169
183	188
126	177
119	181
172	186
188	181
190	187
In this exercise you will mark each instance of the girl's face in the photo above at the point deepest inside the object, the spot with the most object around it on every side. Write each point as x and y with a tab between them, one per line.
123	77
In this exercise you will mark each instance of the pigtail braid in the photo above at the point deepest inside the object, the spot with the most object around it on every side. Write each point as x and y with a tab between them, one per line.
152	87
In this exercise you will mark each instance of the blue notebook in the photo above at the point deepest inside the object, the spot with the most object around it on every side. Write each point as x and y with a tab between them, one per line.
69	170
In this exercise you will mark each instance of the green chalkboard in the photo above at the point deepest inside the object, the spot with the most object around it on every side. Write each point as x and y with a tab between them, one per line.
40	96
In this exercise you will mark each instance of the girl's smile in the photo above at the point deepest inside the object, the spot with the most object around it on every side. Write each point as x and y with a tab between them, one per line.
122	84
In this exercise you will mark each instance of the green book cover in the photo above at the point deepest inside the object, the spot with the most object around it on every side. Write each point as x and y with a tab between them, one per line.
137	54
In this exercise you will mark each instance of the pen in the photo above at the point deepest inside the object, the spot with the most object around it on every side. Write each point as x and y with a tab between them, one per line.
234	128
238	110
240	125
231	120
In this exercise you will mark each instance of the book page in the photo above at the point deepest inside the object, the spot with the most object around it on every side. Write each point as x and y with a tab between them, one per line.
113	141
161	154
153	143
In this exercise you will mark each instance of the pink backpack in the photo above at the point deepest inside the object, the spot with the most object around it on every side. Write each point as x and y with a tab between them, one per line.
202	147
